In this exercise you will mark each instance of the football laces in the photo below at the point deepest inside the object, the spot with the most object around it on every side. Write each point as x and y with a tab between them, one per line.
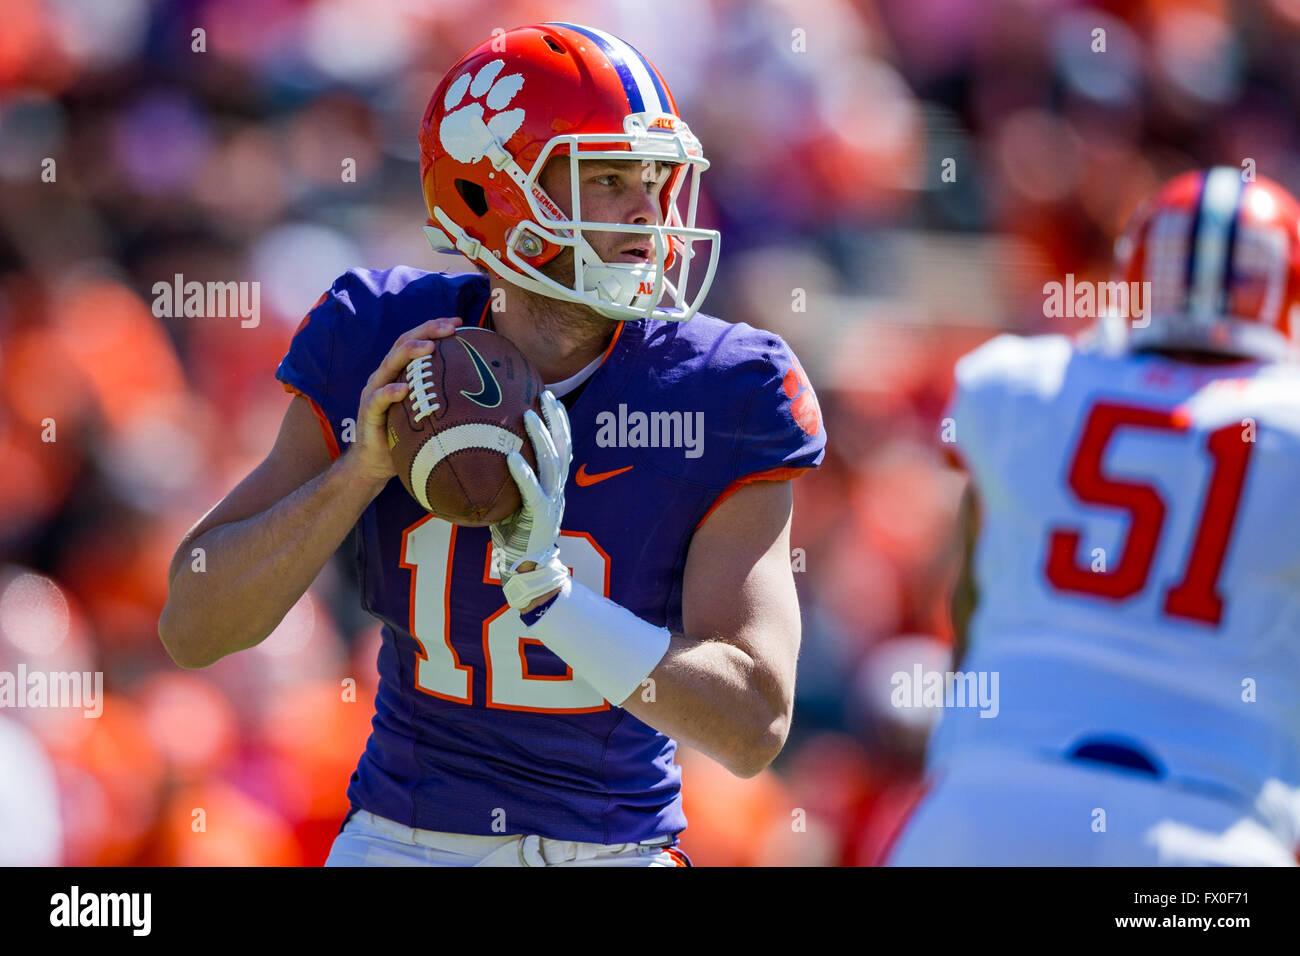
422	397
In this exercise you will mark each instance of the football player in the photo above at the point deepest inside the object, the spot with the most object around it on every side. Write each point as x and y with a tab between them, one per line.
535	676
1133	563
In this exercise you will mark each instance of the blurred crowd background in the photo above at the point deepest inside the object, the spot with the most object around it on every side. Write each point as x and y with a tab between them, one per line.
829	124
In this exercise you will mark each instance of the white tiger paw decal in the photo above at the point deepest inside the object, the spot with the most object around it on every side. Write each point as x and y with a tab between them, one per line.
464	134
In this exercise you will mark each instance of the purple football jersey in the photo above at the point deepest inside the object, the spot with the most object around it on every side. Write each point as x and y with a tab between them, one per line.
479	729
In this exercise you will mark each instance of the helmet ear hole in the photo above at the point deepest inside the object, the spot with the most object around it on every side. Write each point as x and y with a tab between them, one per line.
473	195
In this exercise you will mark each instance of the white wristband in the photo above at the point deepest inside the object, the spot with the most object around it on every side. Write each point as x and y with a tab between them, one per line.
607	645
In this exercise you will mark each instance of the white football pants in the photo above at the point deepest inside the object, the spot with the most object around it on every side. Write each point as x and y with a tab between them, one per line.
995	809
368	840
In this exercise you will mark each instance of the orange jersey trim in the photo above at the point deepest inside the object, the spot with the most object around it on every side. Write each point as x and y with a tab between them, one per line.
618	330
775	474
325	427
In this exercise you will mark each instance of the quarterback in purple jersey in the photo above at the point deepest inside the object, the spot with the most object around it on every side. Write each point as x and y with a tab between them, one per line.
535	676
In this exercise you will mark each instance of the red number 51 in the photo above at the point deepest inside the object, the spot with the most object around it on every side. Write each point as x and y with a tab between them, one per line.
1195	596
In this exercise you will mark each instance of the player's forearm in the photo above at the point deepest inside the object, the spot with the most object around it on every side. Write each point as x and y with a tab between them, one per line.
711	694
253	571
714	697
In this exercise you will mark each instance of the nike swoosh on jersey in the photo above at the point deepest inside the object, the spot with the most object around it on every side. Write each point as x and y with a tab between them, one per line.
584	479
489	392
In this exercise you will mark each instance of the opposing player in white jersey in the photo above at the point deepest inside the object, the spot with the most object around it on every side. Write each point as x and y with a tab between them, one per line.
1133	564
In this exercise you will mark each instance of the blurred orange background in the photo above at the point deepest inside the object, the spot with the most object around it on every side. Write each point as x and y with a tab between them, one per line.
829	124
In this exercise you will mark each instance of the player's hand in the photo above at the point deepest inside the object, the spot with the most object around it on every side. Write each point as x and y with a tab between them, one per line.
532	533
369	457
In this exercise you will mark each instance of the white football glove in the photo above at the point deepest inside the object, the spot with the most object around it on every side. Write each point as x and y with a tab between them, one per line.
533	532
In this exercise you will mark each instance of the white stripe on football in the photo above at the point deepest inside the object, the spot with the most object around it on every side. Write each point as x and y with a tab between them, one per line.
448	442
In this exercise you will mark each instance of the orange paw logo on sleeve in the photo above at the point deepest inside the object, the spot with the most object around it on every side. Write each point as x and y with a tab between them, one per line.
803	400
307	318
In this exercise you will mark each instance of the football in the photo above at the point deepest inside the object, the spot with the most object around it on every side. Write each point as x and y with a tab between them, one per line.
463	414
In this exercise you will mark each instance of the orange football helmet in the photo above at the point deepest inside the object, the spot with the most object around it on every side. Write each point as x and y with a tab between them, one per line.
1222	255
558	89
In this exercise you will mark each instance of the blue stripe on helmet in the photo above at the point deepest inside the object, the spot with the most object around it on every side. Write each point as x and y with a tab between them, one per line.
1232	250
1189	280
1216	218
634	101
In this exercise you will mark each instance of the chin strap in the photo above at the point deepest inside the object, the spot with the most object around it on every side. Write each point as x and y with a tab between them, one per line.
615	286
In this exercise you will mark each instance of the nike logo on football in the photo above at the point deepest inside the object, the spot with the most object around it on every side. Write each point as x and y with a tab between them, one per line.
583	479
489	392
